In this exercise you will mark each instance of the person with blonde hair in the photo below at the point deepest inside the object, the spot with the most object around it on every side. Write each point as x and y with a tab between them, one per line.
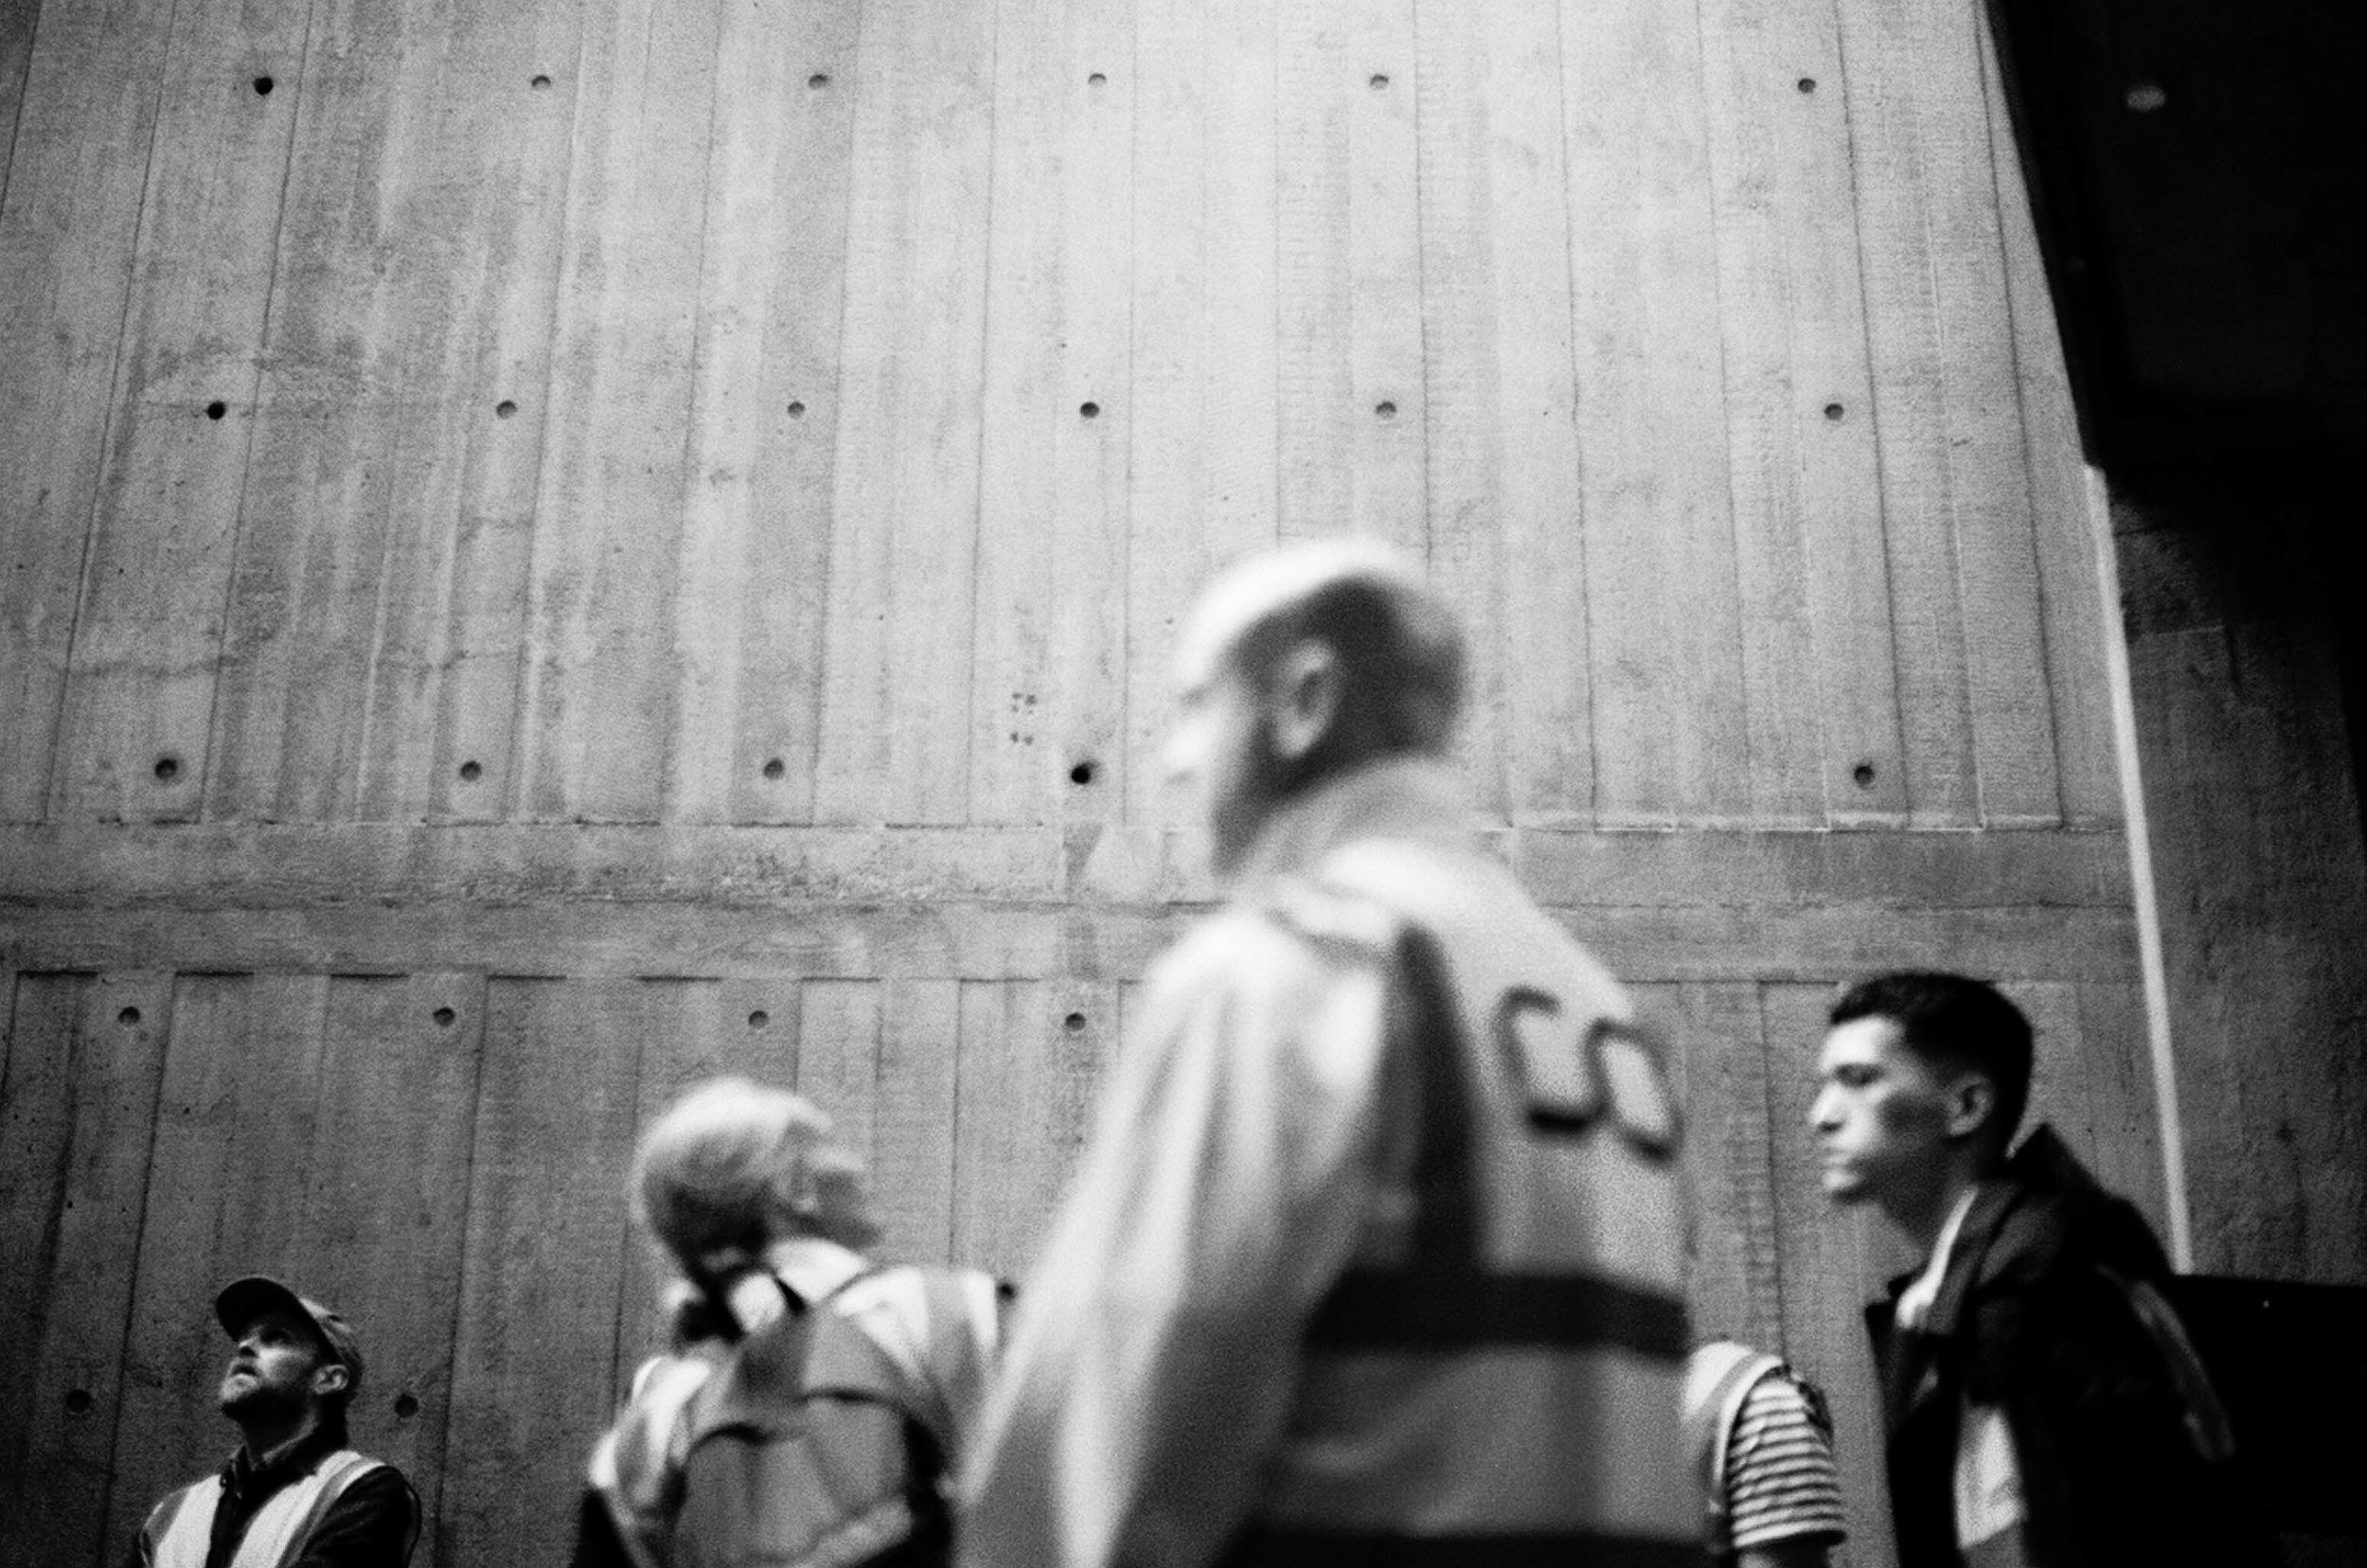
815	1405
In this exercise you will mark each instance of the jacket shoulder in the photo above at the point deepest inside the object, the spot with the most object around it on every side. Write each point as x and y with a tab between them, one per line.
1293	932
167	1509
2059	1224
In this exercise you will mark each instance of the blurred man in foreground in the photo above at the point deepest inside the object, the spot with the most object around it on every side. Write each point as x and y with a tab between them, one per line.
1375	1253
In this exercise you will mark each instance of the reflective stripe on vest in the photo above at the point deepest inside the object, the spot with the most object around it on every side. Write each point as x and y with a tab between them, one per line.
1497	1377
274	1535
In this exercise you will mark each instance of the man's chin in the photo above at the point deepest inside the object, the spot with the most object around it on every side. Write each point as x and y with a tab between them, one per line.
240	1395
1844	1187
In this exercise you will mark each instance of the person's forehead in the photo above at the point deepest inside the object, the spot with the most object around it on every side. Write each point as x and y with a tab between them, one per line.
282	1319
1873	1041
1215	630
1252	592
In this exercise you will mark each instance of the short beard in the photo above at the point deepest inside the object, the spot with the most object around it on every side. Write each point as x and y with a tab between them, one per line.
255	1400
1265	784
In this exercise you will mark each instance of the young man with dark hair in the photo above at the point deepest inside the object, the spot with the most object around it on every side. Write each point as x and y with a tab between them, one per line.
293	1495
1375	1255
2036	1394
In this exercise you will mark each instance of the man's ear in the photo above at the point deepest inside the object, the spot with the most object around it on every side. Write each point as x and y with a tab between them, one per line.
1971	1103
331	1378
1305	695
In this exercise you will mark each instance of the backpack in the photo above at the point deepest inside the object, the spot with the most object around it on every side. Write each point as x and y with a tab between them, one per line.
805	1451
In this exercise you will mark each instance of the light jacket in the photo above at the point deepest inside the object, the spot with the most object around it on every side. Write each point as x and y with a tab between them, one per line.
1374	1255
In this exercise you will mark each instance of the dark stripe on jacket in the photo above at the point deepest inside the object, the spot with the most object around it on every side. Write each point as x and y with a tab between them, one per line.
1268	1547
1377	1310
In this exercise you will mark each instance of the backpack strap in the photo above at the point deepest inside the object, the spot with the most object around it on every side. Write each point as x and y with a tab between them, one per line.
936	1329
769	1386
763	1375
2207	1425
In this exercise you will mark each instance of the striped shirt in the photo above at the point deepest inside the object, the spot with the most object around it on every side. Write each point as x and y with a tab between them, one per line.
1780	1481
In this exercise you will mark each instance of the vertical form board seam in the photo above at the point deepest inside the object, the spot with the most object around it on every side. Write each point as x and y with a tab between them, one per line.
1951	506
1767	1098
1577	395
1985	51
1124	786
380	616
526	682
53	793
616	1334
820	685
1274	60
1932	250
1733	546
11	987
669	803
321	1064
978	471
438	1527
2151	967
139	1237
246	460
468	1197
1421	298
16	123
1874	422
953	1132
884	995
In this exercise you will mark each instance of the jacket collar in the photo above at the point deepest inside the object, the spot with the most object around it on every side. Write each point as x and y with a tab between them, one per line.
244	1477
2043	1168
812	1267
1399	797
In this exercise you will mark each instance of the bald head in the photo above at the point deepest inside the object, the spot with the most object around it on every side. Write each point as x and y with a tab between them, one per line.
1300	663
1399	650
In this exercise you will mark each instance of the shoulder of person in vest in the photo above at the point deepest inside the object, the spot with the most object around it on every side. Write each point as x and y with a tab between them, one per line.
1291	997
637	1463
323	1504
939	1329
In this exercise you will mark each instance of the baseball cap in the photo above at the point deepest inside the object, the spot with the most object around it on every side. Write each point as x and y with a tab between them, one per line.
243	1300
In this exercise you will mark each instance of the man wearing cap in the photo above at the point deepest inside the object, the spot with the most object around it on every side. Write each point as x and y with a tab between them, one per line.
293	1495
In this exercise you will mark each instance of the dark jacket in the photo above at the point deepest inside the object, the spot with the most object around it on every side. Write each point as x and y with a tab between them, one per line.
2026	1318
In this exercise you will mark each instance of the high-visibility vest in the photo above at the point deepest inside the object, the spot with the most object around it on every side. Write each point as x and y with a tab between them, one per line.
182	1526
1497	1377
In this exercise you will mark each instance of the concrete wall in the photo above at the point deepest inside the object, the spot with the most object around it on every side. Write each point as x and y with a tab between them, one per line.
551	547
2238	580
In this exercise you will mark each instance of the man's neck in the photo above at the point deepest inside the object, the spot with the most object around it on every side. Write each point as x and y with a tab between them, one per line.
1921	1219
1402	794
269	1442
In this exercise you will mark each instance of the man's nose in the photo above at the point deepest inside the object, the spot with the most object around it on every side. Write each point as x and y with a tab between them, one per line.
1824	1111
